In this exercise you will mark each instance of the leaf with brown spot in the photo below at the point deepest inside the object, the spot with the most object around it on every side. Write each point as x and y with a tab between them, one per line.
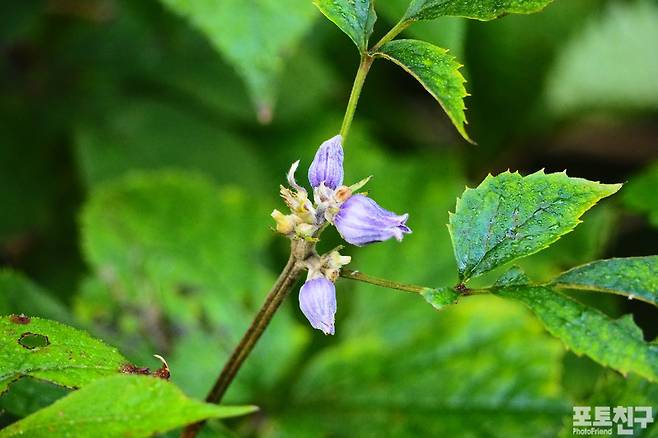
53	352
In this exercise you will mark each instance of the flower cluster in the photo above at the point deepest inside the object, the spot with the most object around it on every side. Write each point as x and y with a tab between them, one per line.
358	219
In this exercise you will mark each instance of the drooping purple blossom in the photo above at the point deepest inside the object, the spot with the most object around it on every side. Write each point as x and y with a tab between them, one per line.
361	221
327	166
317	299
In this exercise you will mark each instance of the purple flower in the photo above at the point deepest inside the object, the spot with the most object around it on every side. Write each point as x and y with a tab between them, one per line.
327	166
317	299
360	221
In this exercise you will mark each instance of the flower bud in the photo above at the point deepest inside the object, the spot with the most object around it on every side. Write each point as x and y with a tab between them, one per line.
332	262
317	300
327	166
285	224
361	221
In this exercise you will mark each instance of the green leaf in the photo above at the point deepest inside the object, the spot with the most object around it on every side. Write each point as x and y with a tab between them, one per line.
510	216
640	193
48	350
440	297
634	277
19	294
618	344
253	36
451	376
604	67
354	17
483	10
135	406
436	70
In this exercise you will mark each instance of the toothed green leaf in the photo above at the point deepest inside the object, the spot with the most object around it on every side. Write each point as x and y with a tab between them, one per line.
436	70
354	17
616	343
634	277
483	10
127	406
511	216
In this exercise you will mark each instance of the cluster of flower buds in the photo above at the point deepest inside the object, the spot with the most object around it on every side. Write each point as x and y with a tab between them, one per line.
358	219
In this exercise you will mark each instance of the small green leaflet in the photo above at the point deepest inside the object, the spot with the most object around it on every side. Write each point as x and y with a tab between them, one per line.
254	36
436	70
616	343
354	17
440	297
511	216
634	277
483	10
54	352
123	405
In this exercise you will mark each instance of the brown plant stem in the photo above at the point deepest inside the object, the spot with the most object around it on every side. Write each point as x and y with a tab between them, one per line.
300	250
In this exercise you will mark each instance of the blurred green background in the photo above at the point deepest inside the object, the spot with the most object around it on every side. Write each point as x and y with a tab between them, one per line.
136	183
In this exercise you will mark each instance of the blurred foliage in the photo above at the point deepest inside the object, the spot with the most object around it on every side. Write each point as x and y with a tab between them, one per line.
611	49
253	36
640	194
456	369
136	183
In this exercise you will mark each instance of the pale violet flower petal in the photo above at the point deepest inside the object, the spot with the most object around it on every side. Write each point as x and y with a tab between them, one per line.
317	299
327	166
361	221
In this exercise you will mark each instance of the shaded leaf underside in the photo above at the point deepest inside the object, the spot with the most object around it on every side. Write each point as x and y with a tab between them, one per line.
135	406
